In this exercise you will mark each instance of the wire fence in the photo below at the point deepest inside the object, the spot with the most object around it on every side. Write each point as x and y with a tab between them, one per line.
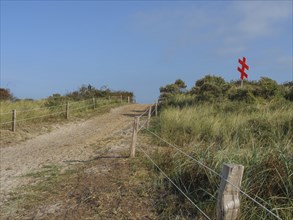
23	115
143	127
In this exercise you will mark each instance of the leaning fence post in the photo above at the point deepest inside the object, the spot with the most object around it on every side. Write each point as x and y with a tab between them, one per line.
67	110
134	136
149	117
228	206
13	120
156	108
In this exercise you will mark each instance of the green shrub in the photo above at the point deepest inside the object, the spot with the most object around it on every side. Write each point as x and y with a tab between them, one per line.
241	95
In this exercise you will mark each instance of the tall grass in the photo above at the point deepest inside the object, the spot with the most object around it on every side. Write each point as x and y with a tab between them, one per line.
258	136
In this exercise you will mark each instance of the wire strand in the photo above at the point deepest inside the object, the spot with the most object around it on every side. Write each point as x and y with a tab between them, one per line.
219	175
174	183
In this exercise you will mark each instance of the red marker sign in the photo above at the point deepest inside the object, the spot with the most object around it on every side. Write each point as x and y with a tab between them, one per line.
243	67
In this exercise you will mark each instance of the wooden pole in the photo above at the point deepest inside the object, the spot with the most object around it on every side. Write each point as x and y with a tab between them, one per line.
13	120
94	103
228	206
109	98
67	110
134	136
156	108
241	83
128	99
149	117
121	99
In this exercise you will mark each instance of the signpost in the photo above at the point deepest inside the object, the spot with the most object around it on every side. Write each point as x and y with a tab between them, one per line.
242	70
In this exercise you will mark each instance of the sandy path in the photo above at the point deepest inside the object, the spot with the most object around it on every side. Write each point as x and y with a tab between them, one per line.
68	143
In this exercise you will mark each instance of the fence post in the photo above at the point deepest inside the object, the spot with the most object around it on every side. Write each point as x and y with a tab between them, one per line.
156	108
149	117
13	120
128	99
134	136
94	103
109	98
67	110
228	206
121	99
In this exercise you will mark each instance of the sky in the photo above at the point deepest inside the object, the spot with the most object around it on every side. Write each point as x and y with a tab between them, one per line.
52	47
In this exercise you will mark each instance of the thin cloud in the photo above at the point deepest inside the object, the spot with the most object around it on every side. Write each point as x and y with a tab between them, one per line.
261	19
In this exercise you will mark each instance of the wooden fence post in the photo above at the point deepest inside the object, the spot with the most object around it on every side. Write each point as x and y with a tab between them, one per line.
109	98
13	120
228	206
149	117
94	103
134	136
121	99
156	108
128	99
67	110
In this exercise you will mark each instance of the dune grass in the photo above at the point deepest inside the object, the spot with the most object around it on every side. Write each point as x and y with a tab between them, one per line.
258	136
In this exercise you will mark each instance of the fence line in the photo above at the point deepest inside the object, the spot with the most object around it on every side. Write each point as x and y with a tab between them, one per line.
216	173
14	120
55	106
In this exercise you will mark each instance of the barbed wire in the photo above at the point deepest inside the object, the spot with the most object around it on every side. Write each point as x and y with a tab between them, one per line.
216	173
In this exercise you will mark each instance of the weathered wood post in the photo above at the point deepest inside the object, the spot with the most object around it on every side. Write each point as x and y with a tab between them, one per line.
156	108
94	103
67	110
13	120
134	136
149	117
109	99
128	99
228	206
121	99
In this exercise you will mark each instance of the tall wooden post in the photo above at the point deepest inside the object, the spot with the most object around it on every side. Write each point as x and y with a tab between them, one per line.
121	99
149	117
156	108
109	98
67	110
134	136
128	99
228	206
13	120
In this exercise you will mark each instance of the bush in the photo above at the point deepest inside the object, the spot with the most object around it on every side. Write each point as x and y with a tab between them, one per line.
240	95
5	94
289	94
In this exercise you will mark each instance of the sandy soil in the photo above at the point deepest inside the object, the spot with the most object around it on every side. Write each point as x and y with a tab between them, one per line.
70	143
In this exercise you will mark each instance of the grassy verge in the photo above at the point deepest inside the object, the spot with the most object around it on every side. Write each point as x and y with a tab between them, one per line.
258	136
34	117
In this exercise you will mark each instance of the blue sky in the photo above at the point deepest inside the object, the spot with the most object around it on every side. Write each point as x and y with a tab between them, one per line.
56	46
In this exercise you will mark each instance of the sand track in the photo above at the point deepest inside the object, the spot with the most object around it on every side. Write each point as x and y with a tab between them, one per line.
70	142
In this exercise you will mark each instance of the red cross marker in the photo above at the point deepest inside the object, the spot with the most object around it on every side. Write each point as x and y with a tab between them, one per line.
242	70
